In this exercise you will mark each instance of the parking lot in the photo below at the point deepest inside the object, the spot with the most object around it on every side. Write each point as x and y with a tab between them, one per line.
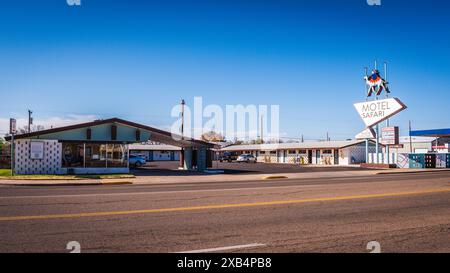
171	168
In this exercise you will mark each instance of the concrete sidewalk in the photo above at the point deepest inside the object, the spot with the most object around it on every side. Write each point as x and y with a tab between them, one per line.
203	178
61	182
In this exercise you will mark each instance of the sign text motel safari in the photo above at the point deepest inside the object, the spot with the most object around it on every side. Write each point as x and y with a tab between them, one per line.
374	112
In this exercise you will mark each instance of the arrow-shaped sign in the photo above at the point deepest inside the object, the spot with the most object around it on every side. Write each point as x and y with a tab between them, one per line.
374	112
367	133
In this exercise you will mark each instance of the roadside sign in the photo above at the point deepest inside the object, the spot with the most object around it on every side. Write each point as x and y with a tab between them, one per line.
389	135
367	133
397	146
374	112
12	126
37	150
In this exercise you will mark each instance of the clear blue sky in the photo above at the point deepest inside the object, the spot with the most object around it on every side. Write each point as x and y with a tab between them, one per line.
136	59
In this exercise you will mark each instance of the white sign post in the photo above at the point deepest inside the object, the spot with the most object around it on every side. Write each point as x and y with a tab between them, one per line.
374	112
12	131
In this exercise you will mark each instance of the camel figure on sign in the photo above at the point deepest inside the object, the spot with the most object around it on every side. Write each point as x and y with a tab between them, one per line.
376	84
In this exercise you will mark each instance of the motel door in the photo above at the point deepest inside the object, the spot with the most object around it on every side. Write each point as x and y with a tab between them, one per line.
336	157
310	157
317	156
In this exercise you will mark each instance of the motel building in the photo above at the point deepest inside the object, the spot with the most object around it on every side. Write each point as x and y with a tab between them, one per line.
345	152
99	147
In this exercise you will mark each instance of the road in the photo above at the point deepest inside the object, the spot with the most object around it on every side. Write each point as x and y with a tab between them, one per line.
403	212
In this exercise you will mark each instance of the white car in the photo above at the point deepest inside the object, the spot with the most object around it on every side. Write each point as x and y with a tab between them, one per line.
247	158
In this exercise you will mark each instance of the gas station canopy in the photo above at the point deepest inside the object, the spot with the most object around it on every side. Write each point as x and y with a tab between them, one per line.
432	133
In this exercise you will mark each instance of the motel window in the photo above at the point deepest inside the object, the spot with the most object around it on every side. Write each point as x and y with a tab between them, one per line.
327	151
302	152
291	152
72	155
93	155
273	152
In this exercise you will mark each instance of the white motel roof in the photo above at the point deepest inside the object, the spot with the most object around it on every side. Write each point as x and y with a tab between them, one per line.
291	146
153	147
416	139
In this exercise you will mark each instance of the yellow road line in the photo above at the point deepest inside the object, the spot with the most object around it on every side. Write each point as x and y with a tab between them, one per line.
224	206
274	177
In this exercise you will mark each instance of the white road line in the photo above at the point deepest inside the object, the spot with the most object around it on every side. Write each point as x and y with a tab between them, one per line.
218	249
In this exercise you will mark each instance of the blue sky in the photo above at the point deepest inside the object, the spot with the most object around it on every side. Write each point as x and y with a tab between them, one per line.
136	59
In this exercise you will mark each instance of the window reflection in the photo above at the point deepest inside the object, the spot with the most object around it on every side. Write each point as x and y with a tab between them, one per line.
93	155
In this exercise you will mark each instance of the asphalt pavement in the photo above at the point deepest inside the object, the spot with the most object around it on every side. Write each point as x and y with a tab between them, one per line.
403	212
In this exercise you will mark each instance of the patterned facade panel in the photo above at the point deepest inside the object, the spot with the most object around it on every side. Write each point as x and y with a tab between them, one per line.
49	164
403	160
297	159
357	154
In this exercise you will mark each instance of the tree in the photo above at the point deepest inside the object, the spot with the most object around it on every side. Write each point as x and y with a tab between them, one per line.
34	128
212	136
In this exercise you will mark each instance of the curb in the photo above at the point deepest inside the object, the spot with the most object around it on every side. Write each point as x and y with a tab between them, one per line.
214	172
415	171
68	184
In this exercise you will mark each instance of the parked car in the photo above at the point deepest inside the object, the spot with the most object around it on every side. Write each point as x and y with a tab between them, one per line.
140	155
246	158
136	161
228	157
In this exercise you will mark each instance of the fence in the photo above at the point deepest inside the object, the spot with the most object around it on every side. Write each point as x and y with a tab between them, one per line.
413	161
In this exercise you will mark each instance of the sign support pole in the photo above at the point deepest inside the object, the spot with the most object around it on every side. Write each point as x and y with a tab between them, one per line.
374	112
377	143
387	121
377	127
367	150
367	140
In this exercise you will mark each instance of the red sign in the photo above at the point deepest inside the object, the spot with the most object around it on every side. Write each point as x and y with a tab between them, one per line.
398	146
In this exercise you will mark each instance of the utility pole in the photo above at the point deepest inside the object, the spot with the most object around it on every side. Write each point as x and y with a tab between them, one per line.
12	131
30	120
182	134
182	118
